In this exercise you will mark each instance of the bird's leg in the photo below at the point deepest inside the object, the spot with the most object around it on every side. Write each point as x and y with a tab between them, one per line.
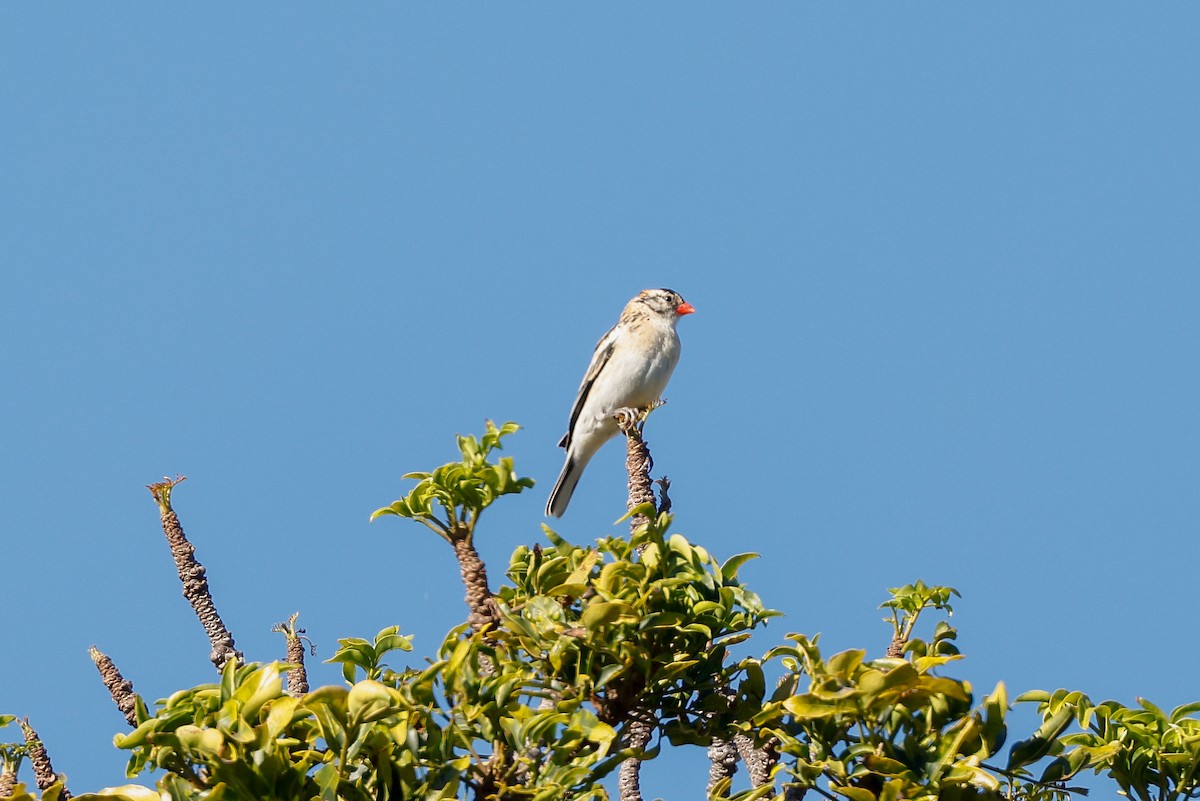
630	419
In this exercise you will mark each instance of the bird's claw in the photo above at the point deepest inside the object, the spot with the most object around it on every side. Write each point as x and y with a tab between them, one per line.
632	419
628	418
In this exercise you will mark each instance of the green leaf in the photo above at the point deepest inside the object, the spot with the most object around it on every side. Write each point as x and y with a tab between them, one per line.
608	673
327	782
390	639
369	701
901	676
1149	707
807	707
606	613
1030	750
280	714
126	792
733	564
1181	712
259	687
208	742
1064	767
603	735
853	793
846	662
884	765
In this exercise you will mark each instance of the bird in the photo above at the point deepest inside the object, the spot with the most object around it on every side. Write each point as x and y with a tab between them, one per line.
629	369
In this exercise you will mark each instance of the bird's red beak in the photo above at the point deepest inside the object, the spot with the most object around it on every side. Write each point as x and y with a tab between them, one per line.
684	308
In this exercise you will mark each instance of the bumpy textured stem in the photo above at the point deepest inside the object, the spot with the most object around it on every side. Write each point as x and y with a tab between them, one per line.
896	647
482	607
724	756
120	688
759	762
8	780
640	729
297	678
195	583
483	611
43	771
637	464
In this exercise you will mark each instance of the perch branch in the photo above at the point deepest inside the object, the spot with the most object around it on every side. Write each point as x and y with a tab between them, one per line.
192	574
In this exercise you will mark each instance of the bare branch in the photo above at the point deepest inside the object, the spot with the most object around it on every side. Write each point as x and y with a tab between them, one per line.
120	688
192	574
724	756
481	605
8	780
759	761
43	771
297	679
641	728
638	462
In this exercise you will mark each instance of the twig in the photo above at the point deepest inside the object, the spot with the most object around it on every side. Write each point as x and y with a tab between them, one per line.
759	761
483	612
481	604
8	779
638	461
192	574
638	464
640	729
723	756
43	771
120	688
297	679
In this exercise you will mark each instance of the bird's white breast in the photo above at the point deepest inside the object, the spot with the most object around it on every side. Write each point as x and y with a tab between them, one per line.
637	372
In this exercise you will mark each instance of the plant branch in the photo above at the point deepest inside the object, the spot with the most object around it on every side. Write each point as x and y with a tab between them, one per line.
723	756
192	574
120	688
759	761
297	678
43	770
8	780
481	604
638	462
640	729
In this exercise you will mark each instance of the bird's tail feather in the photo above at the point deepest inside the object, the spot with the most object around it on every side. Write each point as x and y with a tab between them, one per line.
564	487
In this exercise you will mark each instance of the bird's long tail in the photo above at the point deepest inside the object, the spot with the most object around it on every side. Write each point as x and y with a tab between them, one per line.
565	486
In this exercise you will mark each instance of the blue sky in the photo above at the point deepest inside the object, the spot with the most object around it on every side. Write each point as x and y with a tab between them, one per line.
945	258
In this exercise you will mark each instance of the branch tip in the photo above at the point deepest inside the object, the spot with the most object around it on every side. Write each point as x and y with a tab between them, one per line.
162	490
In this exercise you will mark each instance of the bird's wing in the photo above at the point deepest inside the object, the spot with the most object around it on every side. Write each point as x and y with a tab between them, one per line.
600	357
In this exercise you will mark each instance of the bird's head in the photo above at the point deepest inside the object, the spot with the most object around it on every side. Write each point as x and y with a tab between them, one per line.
665	302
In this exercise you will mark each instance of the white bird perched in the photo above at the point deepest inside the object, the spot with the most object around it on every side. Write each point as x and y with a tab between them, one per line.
630	369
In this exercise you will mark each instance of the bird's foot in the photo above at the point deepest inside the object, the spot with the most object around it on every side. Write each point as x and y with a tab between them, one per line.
632	419
629	419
